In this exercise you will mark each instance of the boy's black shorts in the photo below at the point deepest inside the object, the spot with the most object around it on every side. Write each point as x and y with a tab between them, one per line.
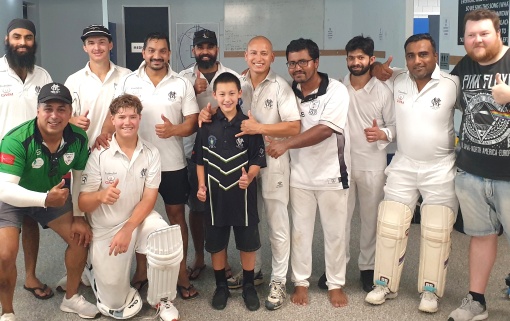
247	238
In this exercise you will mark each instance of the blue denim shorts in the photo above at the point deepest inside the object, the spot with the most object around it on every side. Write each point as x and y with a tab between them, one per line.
484	203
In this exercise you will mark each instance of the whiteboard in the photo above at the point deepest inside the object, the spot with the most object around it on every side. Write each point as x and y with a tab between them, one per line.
279	20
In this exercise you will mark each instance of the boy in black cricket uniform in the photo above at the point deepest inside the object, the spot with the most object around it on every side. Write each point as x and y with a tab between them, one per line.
227	168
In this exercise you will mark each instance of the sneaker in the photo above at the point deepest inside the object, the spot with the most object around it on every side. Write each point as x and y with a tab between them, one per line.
251	298
469	310
220	297
429	302
77	304
236	281
277	295
167	311
8	317
322	282
62	284
379	294
367	280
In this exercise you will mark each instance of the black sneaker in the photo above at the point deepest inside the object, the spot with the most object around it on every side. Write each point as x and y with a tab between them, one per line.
322	282
367	280
251	298
220	297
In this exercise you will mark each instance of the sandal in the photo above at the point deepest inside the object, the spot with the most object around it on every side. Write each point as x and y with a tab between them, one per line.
46	296
188	289
194	272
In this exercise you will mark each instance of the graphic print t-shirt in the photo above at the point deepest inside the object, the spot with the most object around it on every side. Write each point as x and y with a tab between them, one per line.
485	127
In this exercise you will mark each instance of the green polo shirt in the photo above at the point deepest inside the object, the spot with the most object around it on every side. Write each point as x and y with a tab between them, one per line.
23	154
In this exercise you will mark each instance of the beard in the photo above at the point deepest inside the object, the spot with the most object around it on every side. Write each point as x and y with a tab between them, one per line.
23	61
361	72
490	53
205	64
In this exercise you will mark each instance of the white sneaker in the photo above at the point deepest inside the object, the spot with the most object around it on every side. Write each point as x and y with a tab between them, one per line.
167	311
236	281
77	304
469	310
62	284
8	317
429	302
379	295
277	295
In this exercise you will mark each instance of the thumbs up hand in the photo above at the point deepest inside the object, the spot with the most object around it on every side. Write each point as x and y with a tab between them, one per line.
205	115
57	195
164	130
374	134
111	194
501	91
250	126
382	71
81	121
244	181
200	83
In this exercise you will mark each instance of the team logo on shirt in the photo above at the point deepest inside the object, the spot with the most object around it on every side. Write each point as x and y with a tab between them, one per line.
38	152
68	158
436	103
212	141
38	163
314	108
171	96
268	104
279	184
240	143
400	99
262	152
55	89
6	92
37	89
110	179
143	173
84	179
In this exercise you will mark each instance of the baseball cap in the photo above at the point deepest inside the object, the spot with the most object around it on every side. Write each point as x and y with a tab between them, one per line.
56	91
96	30
204	36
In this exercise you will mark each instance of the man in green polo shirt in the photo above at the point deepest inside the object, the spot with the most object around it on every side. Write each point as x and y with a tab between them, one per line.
33	158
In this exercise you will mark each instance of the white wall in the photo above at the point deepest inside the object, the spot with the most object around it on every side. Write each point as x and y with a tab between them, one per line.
9	9
424	8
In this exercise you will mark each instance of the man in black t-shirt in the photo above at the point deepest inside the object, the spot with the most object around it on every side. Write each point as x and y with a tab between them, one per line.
482	182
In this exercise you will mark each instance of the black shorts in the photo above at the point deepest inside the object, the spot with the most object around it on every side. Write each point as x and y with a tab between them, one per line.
174	187
247	238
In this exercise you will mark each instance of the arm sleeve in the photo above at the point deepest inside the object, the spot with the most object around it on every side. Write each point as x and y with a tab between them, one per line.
15	195
75	192
256	151
197	156
334	114
287	104
153	177
70	84
388	117
189	100
91	176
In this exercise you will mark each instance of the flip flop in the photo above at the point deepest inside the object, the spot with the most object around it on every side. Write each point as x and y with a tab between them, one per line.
194	273
180	288
138	285
42	289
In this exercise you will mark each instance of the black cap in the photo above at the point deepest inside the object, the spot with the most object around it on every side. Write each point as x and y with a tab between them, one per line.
96	30
204	36
55	91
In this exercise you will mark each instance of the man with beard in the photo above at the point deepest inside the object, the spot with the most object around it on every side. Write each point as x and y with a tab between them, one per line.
202	75
483	175
318	175
272	111
20	82
170	112
424	164
371	120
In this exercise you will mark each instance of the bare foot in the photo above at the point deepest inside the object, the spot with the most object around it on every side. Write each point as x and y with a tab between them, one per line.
338	298
300	295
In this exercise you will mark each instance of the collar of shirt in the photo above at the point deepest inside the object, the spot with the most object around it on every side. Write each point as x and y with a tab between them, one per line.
68	137
321	90
271	77
88	71
114	145
238	118
368	86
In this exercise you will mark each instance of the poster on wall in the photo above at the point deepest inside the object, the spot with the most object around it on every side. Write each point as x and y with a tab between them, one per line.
500	6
